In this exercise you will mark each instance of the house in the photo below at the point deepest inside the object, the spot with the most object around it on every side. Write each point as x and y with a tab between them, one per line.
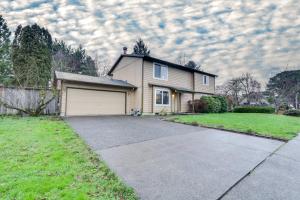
255	99
135	83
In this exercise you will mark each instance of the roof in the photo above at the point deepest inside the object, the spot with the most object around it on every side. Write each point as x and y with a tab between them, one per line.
179	89
152	59
92	79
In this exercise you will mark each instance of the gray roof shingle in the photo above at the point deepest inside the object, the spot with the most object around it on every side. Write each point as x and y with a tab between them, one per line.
92	79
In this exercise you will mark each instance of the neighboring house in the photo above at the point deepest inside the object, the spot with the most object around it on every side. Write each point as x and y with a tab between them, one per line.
261	102
255	99
135	83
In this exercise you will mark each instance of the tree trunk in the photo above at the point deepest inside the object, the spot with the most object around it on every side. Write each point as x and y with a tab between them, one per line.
296	100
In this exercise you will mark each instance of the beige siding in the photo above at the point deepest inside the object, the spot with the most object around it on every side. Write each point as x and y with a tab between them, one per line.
200	87
130	69
65	85
176	78
185	97
197	96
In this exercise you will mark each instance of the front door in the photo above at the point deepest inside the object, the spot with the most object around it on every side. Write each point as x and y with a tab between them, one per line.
175	102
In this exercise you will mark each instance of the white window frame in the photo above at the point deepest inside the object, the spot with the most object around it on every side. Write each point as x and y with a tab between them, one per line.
207	80
162	100
161	65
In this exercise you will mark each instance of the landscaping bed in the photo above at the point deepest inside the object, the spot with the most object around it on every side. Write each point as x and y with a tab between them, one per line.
267	125
42	158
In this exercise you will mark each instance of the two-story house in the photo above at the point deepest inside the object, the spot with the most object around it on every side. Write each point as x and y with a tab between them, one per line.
144	83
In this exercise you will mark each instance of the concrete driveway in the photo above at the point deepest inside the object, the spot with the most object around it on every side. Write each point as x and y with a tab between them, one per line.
165	160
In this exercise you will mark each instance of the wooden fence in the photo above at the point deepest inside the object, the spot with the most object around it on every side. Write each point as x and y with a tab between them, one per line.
25	98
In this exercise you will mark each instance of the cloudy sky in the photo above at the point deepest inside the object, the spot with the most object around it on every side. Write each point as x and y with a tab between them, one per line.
228	37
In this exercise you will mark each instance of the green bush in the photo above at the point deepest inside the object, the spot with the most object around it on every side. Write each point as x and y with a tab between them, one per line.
213	105
223	102
295	113
254	109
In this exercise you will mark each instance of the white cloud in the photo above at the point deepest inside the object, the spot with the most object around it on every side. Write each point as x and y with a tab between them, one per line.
228	37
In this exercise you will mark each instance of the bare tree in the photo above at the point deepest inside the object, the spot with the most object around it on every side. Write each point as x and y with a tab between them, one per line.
250	87
241	87
182	59
234	89
103	65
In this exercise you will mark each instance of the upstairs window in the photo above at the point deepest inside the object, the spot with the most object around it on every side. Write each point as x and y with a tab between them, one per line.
160	71
205	80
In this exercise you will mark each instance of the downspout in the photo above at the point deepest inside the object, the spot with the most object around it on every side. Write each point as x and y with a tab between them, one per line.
142	109
193	94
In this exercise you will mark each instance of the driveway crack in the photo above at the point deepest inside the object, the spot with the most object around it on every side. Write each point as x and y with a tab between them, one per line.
252	170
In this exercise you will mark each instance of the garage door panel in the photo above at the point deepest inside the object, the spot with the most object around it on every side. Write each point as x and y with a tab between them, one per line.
95	102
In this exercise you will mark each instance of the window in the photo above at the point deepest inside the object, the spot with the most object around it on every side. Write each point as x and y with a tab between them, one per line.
205	80
162	97
160	71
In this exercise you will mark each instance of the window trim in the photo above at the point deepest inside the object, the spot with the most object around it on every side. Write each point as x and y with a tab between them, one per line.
162	100
166	66
207	80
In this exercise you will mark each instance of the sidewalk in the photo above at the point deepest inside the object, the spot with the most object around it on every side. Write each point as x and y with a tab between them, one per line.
277	178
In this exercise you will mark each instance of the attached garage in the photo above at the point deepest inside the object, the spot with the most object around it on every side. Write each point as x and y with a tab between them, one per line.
82	95
82	102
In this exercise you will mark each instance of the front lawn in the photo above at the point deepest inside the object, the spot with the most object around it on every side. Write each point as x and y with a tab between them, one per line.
42	158
271	125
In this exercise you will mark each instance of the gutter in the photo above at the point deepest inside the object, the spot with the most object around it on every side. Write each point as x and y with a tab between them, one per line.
179	89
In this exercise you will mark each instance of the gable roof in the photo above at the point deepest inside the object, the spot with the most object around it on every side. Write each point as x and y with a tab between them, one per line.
91	79
152	59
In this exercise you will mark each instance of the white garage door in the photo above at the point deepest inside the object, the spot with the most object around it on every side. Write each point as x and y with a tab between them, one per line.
82	102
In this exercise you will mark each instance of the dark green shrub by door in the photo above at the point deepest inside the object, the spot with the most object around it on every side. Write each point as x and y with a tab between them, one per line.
223	102
213	104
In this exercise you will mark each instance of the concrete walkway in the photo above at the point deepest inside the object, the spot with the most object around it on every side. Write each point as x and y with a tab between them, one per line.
165	160
276	178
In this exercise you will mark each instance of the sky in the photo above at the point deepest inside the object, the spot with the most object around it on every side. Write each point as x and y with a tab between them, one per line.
228	37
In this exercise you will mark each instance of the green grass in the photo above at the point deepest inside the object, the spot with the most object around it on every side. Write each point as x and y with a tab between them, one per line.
271	125
42	158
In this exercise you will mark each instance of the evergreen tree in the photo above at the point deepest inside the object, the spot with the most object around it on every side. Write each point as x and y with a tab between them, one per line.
67	59
31	56
5	61
191	64
284	87
140	48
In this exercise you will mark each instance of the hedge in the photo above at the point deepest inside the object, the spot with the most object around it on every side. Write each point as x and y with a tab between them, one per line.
254	109
295	113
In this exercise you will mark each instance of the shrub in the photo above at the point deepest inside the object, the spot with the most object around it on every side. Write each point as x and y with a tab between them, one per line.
254	109
199	106
294	112
163	112
213	104
223	102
